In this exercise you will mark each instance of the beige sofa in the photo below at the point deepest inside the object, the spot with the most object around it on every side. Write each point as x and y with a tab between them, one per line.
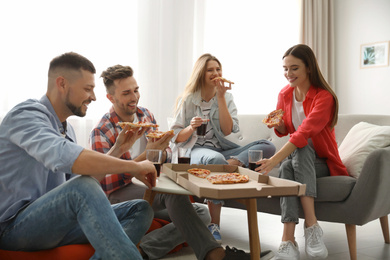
347	200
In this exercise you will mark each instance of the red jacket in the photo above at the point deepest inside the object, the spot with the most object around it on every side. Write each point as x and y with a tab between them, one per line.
319	109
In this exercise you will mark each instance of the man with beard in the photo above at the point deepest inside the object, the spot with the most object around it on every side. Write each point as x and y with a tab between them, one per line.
39	209
189	221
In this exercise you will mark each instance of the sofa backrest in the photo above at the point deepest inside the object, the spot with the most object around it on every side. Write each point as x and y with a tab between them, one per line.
252	129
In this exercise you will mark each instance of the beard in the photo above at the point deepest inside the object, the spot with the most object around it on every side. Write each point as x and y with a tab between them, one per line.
77	111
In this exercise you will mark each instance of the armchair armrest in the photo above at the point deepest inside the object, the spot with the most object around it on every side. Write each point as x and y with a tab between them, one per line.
369	198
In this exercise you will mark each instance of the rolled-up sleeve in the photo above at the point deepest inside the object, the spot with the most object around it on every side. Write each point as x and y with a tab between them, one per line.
40	140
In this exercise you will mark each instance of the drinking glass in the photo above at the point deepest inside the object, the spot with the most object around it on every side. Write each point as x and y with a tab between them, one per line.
155	156
253	157
184	155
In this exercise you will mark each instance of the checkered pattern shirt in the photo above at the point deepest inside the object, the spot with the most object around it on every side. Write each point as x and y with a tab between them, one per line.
103	137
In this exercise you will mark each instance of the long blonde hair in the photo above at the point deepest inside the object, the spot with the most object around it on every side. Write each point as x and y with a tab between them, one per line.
196	80
306	54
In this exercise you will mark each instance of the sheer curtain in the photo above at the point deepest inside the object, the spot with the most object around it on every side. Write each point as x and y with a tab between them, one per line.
317	31
249	37
160	39
34	32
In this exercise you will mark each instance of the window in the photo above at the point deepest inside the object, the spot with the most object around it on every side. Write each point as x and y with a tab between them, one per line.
34	32
249	38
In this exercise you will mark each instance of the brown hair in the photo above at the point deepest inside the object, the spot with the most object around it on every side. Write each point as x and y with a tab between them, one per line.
113	73
306	54
196	80
72	61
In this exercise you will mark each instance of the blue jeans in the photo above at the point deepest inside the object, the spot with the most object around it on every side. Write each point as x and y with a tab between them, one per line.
210	155
304	167
78	212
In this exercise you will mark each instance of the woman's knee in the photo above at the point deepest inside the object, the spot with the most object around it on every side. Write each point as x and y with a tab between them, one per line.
216	158
286	170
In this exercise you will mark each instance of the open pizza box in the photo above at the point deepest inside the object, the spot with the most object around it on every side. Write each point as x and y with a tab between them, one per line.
258	185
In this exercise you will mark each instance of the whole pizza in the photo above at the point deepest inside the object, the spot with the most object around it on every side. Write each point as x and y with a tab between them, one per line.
228	178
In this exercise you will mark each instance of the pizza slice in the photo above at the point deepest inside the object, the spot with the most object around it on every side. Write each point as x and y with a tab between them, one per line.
223	79
158	134
198	172
134	125
228	178
274	117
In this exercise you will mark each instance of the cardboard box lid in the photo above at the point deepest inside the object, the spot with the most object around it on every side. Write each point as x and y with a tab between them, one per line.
258	185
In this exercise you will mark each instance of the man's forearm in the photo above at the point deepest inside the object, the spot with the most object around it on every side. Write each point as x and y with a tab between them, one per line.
98	165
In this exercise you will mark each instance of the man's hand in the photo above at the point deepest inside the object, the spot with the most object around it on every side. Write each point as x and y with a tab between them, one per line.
159	144
125	140
145	172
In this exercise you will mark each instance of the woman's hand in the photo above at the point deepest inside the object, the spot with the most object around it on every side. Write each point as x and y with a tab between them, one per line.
265	165
195	122
221	88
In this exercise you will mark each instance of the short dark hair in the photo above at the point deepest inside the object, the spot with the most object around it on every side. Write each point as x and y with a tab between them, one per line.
72	60
114	73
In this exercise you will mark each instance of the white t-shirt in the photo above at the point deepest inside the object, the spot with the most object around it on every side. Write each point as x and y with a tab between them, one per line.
210	139
139	145
298	115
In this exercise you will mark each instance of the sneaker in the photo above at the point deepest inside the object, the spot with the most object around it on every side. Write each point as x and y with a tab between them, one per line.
236	254
214	229
315	247
287	250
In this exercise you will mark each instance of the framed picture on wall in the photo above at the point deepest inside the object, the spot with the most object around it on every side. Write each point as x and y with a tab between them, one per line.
374	55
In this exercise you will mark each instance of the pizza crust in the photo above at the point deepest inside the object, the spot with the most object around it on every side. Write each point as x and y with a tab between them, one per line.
199	172
158	134
274	117
228	178
134	125
223	79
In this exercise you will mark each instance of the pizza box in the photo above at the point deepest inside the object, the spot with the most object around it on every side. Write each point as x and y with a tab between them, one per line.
258	186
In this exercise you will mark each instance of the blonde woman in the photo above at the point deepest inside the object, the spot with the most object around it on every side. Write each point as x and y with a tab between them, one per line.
207	97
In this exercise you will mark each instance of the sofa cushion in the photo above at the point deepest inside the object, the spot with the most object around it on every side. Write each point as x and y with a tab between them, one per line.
334	188
362	139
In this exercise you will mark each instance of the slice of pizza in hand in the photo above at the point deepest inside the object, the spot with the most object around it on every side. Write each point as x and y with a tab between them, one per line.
274	117
134	125
158	134
223	79
198	172
228	178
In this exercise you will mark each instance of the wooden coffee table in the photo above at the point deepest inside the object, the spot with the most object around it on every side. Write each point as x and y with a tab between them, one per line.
166	185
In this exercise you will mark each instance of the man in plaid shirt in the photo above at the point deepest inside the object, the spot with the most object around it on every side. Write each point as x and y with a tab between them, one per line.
189	221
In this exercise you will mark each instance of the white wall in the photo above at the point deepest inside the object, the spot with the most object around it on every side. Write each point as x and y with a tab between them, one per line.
361	91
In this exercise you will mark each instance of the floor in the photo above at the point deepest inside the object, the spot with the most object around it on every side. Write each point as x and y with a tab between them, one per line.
234	231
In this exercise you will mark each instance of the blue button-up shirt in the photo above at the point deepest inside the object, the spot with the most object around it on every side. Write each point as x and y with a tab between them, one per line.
34	155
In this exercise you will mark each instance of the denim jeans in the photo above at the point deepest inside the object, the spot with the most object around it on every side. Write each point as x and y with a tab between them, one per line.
78	212
304	167
210	155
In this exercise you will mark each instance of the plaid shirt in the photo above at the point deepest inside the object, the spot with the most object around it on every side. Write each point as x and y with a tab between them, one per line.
103	137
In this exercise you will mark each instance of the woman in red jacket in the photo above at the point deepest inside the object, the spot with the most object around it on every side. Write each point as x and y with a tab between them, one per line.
311	109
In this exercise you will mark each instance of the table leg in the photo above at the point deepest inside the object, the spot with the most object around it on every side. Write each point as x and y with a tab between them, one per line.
149	196
254	239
